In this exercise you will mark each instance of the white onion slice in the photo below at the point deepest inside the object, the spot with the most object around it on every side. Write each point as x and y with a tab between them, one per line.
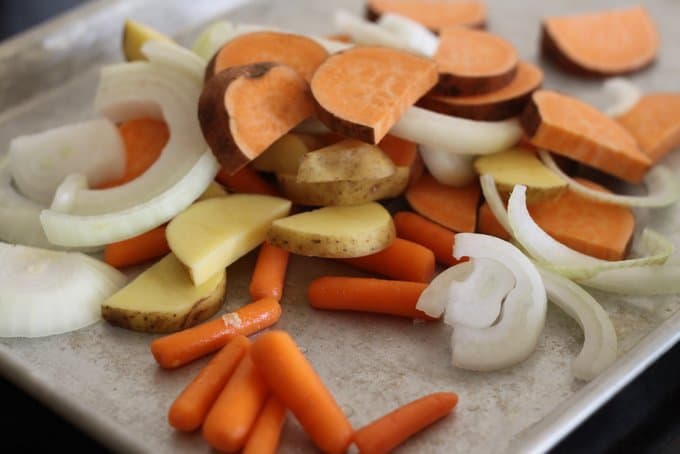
663	188
93	230
43	292
568	262
128	90
456	135
435	298
641	281
476	302
39	162
413	33
496	204
367	33
175	56
515	335
600	344
624	95
448	168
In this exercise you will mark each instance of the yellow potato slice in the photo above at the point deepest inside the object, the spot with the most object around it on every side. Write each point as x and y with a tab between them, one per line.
285	155
212	234
213	191
335	232
135	35
521	166
163	299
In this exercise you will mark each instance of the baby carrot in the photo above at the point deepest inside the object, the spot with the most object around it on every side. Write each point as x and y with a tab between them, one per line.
270	273
247	181
402	260
386	433
295	382
177	349
190	408
139	249
416	228
231	417
264	438
367	295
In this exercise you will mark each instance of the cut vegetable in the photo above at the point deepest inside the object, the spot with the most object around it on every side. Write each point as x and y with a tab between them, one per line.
413	227
416	35
142	248
601	43
212	234
454	208
213	191
654	121
285	155
135	35
40	162
366	106
434	300
624	96
403	153
163	299
269	275
648	280
663	188
572	128
447	168
243	110
347	160
501	104
43	293
247	181
265	434
365	33
335	232
600	344
74	230
212	38
521	166
473	62
433	14
298	52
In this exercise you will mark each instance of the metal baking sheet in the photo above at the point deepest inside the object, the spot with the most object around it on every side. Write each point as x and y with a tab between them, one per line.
105	380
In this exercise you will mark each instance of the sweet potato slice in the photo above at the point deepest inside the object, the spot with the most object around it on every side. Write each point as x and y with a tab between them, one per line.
433	14
572	128
302	54
454	208
473	62
497	105
601	43
244	109
655	123
598	229
403	153
362	92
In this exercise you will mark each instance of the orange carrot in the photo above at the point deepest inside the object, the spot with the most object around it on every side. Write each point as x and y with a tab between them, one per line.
264	438
402	260
461	69
507	102
244	109
144	140
366	108
435	15
295	382
270	273
569	127
454	208
192	405
593	44
184	346
489	225
367	295
388	432
139	249
413	227
233	414
247	181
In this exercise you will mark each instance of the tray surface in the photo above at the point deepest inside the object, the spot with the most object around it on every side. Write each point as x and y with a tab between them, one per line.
104	378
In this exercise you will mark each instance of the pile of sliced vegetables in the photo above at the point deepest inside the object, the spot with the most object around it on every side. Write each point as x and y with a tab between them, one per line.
266	138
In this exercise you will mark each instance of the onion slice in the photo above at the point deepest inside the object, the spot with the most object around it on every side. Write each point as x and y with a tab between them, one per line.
174	56
642	281
447	168
600	344
369	33
43	292
413	33
40	162
663	188
556	256
624	95
515	334
65	229
435	298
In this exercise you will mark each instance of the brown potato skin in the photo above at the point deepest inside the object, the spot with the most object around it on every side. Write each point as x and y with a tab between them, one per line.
163	323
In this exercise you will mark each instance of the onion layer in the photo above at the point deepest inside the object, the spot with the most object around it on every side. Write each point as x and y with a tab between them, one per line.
447	168
624	95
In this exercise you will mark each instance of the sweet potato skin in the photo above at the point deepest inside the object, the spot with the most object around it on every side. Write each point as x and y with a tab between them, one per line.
373	15
497	111
454	85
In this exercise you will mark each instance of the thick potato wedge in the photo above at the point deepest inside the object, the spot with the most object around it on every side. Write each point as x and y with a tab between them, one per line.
285	155
330	193
163	299
347	160
212	234
521	166
213	191
335	232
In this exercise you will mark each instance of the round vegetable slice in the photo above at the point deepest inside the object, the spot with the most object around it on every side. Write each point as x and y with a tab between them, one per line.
433	14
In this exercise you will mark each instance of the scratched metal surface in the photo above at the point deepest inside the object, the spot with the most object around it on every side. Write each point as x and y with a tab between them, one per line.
104	378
